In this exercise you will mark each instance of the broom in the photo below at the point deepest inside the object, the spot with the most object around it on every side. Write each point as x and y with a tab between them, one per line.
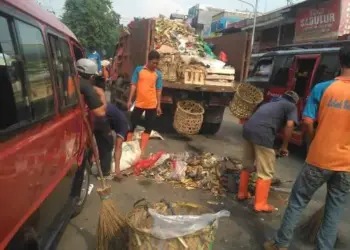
111	224
312	225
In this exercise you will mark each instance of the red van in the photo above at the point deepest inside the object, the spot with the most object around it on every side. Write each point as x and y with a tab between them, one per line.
43	154
297	69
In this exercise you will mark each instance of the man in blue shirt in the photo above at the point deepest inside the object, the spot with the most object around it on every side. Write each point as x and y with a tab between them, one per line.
259	133
95	56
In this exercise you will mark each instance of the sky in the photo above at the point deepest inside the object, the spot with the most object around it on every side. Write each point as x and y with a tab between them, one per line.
152	8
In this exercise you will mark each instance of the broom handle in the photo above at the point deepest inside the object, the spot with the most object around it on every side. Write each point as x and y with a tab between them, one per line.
91	139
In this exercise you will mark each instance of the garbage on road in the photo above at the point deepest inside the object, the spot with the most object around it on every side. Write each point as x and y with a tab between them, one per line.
191	171
172	226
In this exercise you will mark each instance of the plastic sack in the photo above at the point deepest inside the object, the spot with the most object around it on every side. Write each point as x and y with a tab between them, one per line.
131	153
173	226
147	163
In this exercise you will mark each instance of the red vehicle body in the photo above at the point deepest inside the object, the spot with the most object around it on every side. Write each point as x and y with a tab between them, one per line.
294	69
42	138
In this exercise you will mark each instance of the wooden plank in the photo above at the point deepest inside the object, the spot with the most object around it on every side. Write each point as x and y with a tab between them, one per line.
217	83
220	77
221	71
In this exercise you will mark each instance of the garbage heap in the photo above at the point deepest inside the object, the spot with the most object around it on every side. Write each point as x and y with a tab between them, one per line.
197	171
186	57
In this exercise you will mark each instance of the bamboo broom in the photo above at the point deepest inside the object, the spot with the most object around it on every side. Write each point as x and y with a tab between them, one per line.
111	223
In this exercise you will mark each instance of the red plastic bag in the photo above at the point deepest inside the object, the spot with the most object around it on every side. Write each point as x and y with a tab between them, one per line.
147	163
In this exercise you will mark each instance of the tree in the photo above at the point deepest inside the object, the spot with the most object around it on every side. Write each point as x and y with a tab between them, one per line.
93	22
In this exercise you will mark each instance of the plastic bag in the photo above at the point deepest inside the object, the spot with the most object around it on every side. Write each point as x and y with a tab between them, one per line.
144	164
173	226
179	171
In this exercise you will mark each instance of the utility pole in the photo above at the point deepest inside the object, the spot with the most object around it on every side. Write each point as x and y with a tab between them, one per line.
255	8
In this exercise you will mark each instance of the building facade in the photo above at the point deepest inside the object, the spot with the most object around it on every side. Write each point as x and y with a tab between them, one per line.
201	18
221	20
306	22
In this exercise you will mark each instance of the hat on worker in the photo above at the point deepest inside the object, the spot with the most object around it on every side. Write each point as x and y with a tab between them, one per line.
87	66
292	96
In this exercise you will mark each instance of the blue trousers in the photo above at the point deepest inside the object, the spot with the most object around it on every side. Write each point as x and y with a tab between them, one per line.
309	180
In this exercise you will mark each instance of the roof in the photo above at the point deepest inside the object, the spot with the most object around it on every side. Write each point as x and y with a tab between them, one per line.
32	8
301	51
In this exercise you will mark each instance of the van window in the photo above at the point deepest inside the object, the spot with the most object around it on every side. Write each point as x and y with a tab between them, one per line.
37	70
78	53
328	69
282	65
64	71
13	106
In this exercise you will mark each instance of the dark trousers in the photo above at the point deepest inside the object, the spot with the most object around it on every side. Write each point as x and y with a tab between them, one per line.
105	145
309	180
136	115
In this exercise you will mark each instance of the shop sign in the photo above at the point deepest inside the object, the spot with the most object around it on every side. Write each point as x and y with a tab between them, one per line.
319	22
344	27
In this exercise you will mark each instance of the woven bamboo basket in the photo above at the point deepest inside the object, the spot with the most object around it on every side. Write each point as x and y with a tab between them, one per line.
245	100
140	226
188	117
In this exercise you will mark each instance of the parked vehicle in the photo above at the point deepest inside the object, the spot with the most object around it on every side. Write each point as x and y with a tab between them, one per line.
43	155
132	50
295	69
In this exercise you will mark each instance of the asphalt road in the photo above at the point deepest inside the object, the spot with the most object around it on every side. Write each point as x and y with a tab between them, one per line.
244	229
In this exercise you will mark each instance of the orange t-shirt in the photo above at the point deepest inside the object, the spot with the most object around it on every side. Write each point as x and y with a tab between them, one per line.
147	84
329	102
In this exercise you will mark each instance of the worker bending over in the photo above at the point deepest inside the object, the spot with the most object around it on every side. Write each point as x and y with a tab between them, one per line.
328	160
147	85
260	132
113	119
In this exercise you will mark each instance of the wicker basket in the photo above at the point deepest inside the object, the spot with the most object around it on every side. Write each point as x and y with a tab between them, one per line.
140	225
188	117
245	100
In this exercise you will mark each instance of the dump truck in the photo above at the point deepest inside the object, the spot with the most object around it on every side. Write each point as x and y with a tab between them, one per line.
131	51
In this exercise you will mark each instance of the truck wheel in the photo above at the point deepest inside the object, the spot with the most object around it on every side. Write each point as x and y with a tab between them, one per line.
210	128
25	239
81	185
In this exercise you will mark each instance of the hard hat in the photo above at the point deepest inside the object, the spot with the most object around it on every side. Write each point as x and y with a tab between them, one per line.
293	95
87	66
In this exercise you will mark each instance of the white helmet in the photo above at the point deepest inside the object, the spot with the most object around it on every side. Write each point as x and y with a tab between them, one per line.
87	66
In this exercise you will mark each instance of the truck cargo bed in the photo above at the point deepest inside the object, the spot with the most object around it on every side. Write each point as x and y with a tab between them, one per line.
199	88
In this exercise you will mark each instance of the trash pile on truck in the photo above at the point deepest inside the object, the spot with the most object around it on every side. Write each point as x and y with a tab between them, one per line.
187	58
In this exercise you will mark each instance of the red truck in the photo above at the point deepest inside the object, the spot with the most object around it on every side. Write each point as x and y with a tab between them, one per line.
132	50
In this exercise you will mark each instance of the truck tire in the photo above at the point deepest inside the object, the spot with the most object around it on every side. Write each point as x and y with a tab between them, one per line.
25	239
210	128
81	185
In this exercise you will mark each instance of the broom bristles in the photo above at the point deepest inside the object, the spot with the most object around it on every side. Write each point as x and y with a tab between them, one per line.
111	223
311	226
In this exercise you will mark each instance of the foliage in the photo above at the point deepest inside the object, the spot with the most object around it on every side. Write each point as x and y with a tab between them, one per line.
94	23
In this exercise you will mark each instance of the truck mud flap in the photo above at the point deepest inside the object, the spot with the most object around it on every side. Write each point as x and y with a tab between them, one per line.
214	114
